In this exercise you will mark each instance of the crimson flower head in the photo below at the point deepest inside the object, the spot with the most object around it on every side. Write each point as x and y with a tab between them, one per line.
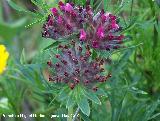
100	31
75	67
67	20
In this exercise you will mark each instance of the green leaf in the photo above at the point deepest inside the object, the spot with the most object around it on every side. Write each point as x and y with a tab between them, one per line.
136	90
62	95
129	26
15	6
97	5
105	5
19	8
94	54
11	29
92	97
101	92
84	106
23	58
41	4
70	102
84	117
92	3
154	116
4	103
55	44
104	54
150	110
158	2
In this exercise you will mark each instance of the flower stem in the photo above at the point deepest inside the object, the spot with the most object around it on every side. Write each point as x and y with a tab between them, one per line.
70	113
76	113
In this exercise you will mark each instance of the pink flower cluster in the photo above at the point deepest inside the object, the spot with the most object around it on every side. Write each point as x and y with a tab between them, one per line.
99	31
102	32
69	19
73	67
83	31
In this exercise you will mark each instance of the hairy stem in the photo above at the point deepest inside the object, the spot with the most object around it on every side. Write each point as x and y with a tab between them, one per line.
76	114
70	113
131	8
7	11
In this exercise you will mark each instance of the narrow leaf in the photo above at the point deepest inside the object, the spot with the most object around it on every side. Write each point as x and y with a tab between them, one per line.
158	2
70	102
84	106
19	8
55	44
92	97
23	58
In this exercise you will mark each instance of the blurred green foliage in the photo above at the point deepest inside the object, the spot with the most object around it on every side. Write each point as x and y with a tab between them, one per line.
132	94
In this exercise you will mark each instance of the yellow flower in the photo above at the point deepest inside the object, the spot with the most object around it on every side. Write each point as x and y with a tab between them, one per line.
3	58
